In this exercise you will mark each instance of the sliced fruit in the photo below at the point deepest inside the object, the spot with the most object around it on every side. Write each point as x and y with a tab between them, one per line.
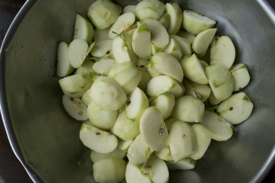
78	51
106	93
199	91
97	140
111	170
186	35
213	100
156	169
146	77
204	64
101	34
134	175
169	121
142	41
164	154
236	108
222	51
183	141
76	85
193	69
173	49
125	128
86	67
184	164
175	12
86	98
220	128
75	108
159	35
100	117
152	72
127	75
83	29
103	13
101	48
117	153
203	138
123	22
136	105
188	109
139	152
124	145
165	103
195	23
104	65
168	65
129	8
240	75
153	129
151	9
63	67
220	80
184	45
162	84
165	19
203	40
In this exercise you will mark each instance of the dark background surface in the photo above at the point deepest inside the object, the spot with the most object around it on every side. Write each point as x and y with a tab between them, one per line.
10	168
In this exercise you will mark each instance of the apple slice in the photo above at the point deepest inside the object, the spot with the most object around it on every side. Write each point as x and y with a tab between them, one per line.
151	9
203	40
146	77
152	72
136	105
169	121
168	65
193	69
240	75
165	20
101	118
127	75
162	84
111	170
188	109
134	175
199	91
103	13
63	67
78	51
97	140
195	23
186	35
101	34
159	35
117	153
175	12
86	67
142	41
76	85
129	8
222	51
204	64
203	138
184	164
220	128
156	169
184	45
152	128
83	29
125	128
139	152
173	49
104	65
101	48
86	99
123	22
106	93
165	103
236	108
183	141
124	145
164	154
221	81
213	100
75	108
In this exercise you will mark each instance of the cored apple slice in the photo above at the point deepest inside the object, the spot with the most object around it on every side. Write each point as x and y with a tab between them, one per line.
134	175
186	35
103	66
240	75
75	108
184	45
101	48
173	49
83	29
149	9
184	164
175	12
63	67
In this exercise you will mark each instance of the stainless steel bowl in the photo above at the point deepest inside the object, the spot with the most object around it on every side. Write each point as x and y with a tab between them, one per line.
45	138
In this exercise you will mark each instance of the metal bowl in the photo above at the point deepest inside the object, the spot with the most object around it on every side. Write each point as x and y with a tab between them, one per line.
45	139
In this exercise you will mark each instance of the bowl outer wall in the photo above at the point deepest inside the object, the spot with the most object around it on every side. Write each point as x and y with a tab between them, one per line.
45	138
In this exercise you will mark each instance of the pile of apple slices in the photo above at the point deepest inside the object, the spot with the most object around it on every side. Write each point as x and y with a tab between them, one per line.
147	101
